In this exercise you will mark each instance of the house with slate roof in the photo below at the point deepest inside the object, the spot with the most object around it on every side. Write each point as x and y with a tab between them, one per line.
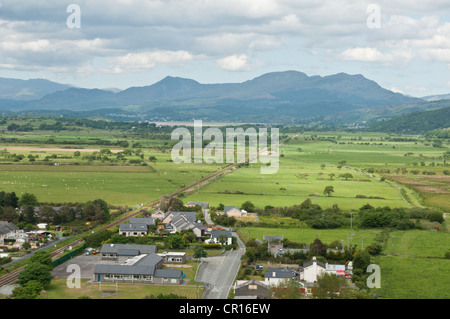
191	216
311	269
134	230
142	220
136	227
273	276
182	222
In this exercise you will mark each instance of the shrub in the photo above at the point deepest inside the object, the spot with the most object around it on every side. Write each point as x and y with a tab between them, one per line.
435	217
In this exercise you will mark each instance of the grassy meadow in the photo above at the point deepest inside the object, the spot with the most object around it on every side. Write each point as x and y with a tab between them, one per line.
413	265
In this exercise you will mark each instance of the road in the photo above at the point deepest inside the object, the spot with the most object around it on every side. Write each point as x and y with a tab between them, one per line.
218	273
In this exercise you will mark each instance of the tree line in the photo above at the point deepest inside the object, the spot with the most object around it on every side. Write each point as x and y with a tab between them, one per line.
26	210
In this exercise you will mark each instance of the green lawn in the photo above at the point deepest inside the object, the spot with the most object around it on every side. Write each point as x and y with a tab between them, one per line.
59	290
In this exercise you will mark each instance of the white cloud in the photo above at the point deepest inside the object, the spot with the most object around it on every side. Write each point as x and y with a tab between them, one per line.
364	55
234	63
142	61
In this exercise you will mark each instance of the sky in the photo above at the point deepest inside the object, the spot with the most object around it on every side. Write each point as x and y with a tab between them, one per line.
403	45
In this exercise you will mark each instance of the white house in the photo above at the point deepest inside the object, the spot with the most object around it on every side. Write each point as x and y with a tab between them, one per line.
216	235
273	276
311	270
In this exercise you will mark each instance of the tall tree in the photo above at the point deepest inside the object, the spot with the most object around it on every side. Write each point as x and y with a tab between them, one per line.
328	190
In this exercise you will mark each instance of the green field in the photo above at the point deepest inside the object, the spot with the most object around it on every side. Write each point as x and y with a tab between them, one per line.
301	176
417	268
117	185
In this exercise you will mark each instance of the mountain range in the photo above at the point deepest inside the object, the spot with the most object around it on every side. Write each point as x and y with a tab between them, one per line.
282	97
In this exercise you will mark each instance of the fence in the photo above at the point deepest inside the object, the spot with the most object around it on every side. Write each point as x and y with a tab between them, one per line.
68	256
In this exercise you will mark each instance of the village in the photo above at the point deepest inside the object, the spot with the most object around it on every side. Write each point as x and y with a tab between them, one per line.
128	263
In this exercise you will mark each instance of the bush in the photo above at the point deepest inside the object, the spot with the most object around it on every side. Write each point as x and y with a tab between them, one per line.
402	224
435	217
374	249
